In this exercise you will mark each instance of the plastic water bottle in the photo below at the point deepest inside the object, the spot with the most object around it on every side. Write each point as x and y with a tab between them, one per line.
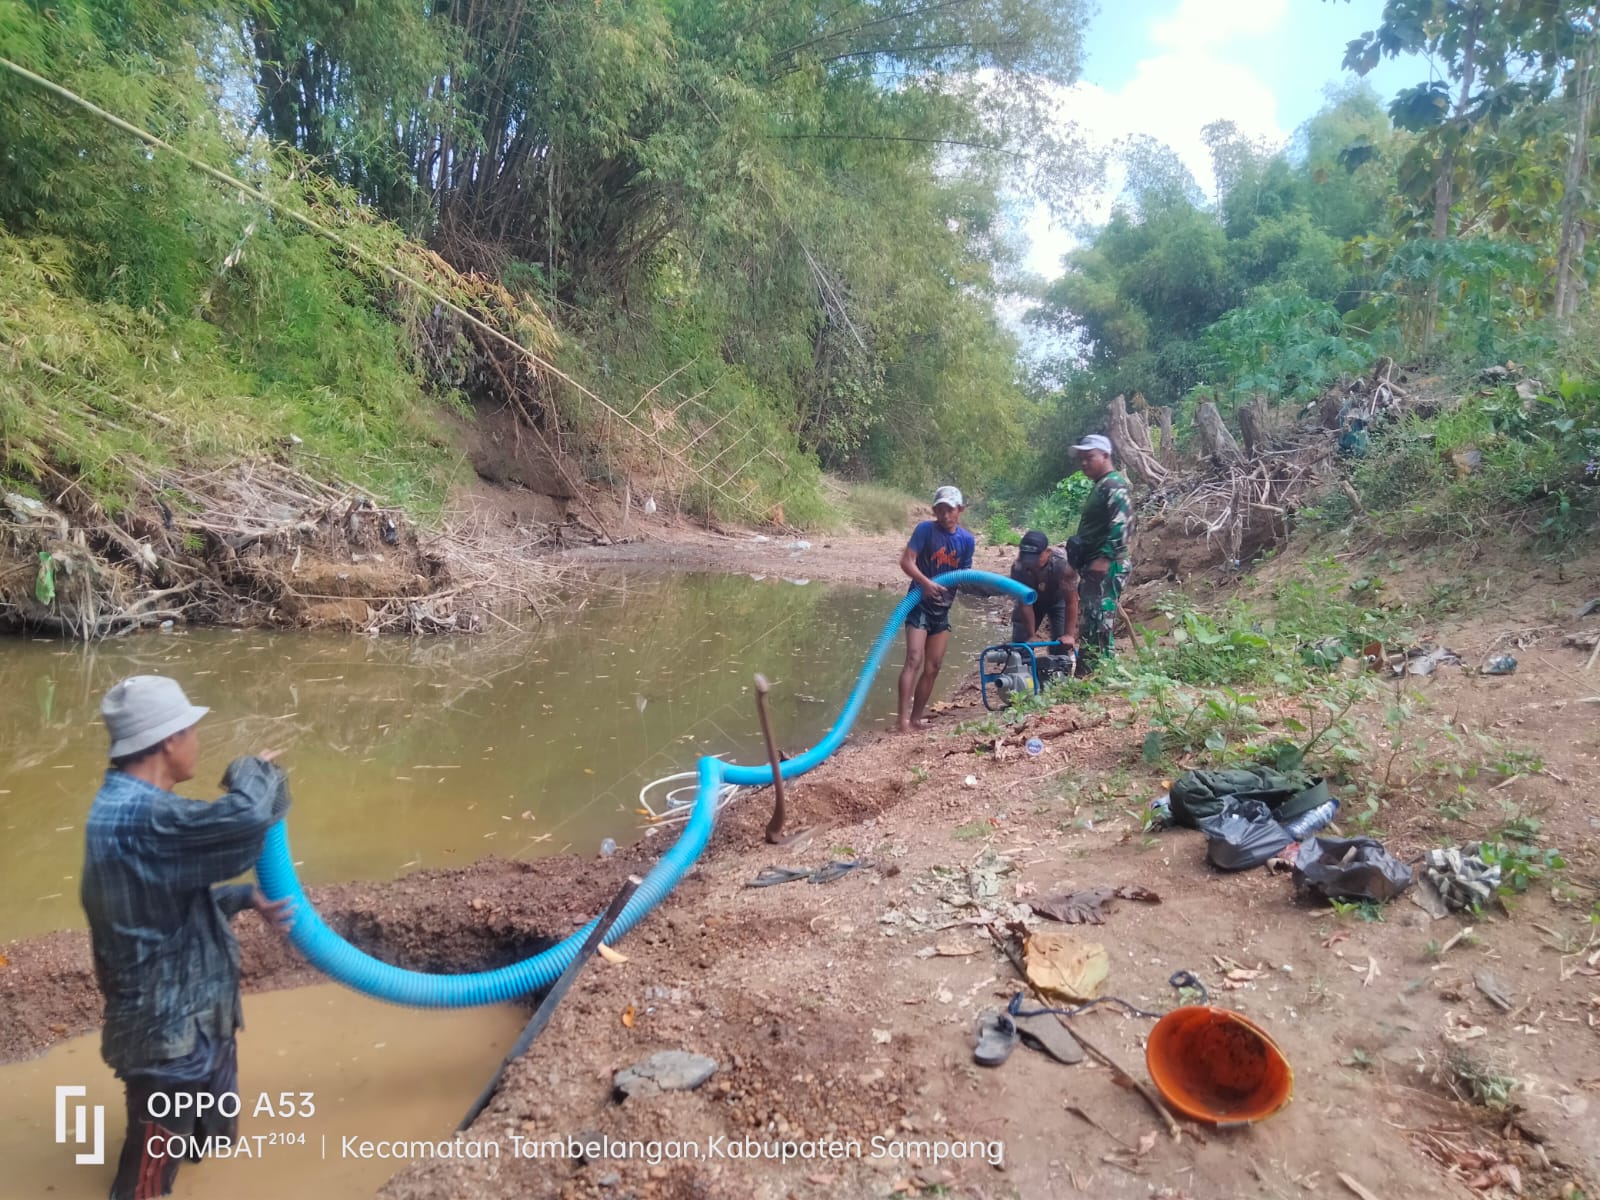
1034	747
1308	823
607	848
1500	664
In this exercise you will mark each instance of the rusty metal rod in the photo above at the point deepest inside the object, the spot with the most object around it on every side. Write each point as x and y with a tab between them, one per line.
774	826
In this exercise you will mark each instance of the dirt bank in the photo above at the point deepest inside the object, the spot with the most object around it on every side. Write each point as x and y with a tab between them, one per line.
831	1018
868	560
844	1010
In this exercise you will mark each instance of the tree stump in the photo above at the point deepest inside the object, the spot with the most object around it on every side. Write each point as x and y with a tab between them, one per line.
1136	457
1139	428
1214	435
1253	426
1166	451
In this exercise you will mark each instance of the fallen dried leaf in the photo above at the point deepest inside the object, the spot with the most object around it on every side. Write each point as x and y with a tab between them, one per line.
1493	990
1333	940
1089	907
1461	1029
1147	1142
628	1017
4	961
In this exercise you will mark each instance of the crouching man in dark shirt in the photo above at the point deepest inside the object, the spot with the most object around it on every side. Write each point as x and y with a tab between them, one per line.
164	955
1047	572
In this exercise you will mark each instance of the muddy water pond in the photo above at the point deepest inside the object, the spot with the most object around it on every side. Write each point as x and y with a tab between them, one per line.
411	753
355	1073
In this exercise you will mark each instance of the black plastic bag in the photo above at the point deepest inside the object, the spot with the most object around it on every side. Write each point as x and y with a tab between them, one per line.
1245	835
1356	868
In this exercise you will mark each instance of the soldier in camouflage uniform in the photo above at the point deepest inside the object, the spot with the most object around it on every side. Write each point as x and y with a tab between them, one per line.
1101	549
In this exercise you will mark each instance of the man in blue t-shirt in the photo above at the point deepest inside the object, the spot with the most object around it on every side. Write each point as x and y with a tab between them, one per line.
936	547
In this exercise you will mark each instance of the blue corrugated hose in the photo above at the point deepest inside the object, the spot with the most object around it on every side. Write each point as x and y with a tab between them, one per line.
329	952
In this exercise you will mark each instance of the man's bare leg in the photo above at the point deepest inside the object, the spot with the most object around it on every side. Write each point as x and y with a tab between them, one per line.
933	660
916	640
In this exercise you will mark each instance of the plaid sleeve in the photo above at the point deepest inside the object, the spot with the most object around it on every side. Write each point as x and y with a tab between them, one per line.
206	843
233	898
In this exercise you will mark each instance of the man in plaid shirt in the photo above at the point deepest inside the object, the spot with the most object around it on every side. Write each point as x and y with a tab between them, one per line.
164	955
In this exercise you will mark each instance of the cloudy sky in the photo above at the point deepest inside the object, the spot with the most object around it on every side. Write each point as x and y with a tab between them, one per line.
1167	68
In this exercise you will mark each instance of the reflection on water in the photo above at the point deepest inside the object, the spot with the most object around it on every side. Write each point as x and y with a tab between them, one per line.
440	752
374	1072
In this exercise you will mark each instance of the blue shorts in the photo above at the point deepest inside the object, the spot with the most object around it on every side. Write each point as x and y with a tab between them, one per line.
934	620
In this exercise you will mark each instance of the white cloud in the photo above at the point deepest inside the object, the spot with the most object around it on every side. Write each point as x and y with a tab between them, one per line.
1173	94
1211	22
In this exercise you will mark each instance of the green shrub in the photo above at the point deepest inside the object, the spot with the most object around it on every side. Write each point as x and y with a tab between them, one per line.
1057	513
1494	462
998	531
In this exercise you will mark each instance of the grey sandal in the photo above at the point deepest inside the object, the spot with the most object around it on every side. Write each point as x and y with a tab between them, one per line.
997	1037
1047	1035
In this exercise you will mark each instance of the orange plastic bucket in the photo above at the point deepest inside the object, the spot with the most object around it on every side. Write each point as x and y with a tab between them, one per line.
1217	1066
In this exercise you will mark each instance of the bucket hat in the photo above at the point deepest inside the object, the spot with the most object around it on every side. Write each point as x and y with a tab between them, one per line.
144	710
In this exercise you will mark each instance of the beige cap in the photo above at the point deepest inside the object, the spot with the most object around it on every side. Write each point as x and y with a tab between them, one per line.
144	710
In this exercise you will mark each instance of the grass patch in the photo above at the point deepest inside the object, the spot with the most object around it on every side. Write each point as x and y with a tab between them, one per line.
1480	1081
972	831
873	508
